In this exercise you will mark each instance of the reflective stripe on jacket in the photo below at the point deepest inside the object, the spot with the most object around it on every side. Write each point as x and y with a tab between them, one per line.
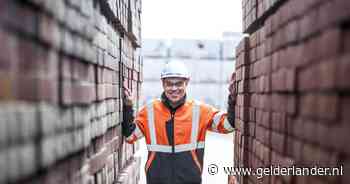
182	161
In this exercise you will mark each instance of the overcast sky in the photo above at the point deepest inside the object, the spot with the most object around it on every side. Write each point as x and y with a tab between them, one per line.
206	19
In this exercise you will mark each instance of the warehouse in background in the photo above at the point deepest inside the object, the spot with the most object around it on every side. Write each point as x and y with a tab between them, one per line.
211	63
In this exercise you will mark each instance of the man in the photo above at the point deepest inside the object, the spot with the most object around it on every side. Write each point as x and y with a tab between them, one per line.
175	129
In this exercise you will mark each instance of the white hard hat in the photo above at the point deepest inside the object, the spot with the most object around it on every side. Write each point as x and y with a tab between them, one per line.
175	69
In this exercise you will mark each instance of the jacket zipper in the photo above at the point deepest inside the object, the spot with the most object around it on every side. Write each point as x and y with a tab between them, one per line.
172	118
173	146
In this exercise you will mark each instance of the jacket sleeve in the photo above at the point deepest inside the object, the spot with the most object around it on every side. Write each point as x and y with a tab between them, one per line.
222	122
133	128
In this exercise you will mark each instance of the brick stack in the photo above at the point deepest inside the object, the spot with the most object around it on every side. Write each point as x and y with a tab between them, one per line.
293	102
62	67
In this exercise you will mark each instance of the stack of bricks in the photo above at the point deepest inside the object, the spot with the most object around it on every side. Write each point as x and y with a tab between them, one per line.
293	93
62	68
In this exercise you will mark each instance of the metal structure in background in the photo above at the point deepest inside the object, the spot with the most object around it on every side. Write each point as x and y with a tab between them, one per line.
210	62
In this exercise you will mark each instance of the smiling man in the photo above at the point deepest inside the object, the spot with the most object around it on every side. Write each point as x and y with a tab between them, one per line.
174	128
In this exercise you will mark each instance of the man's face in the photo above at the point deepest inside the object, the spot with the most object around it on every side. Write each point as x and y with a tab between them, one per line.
174	88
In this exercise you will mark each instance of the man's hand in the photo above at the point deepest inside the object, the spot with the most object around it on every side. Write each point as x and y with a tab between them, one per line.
232	86
127	96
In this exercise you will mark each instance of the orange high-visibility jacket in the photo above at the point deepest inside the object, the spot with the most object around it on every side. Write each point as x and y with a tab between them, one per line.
181	161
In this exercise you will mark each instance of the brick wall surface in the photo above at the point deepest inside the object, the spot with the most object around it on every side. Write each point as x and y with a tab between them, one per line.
293	90
62	66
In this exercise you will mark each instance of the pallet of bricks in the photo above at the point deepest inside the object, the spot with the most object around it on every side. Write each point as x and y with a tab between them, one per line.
62	67
293	106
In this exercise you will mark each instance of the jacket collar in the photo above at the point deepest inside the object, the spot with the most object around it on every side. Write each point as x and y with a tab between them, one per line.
169	105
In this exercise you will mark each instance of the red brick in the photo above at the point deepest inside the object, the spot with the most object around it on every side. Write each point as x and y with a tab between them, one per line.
82	71
49	31
244	113
245	72
27	89
260	51
66	92
253	40
66	68
307	24
332	38
327	71
278	122
8	45
48	90
308	132
328	107
243	86
343	69
278	80
275	61
262	135
291	104
268	46
306	80
268	27
296	128
346	178
290	77
335	134
264	102
346	41
238	74
334	12
310	51
252	112
313	155
278	142
97	162
307	105
278	102
14	11
344	108
31	58
243	100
